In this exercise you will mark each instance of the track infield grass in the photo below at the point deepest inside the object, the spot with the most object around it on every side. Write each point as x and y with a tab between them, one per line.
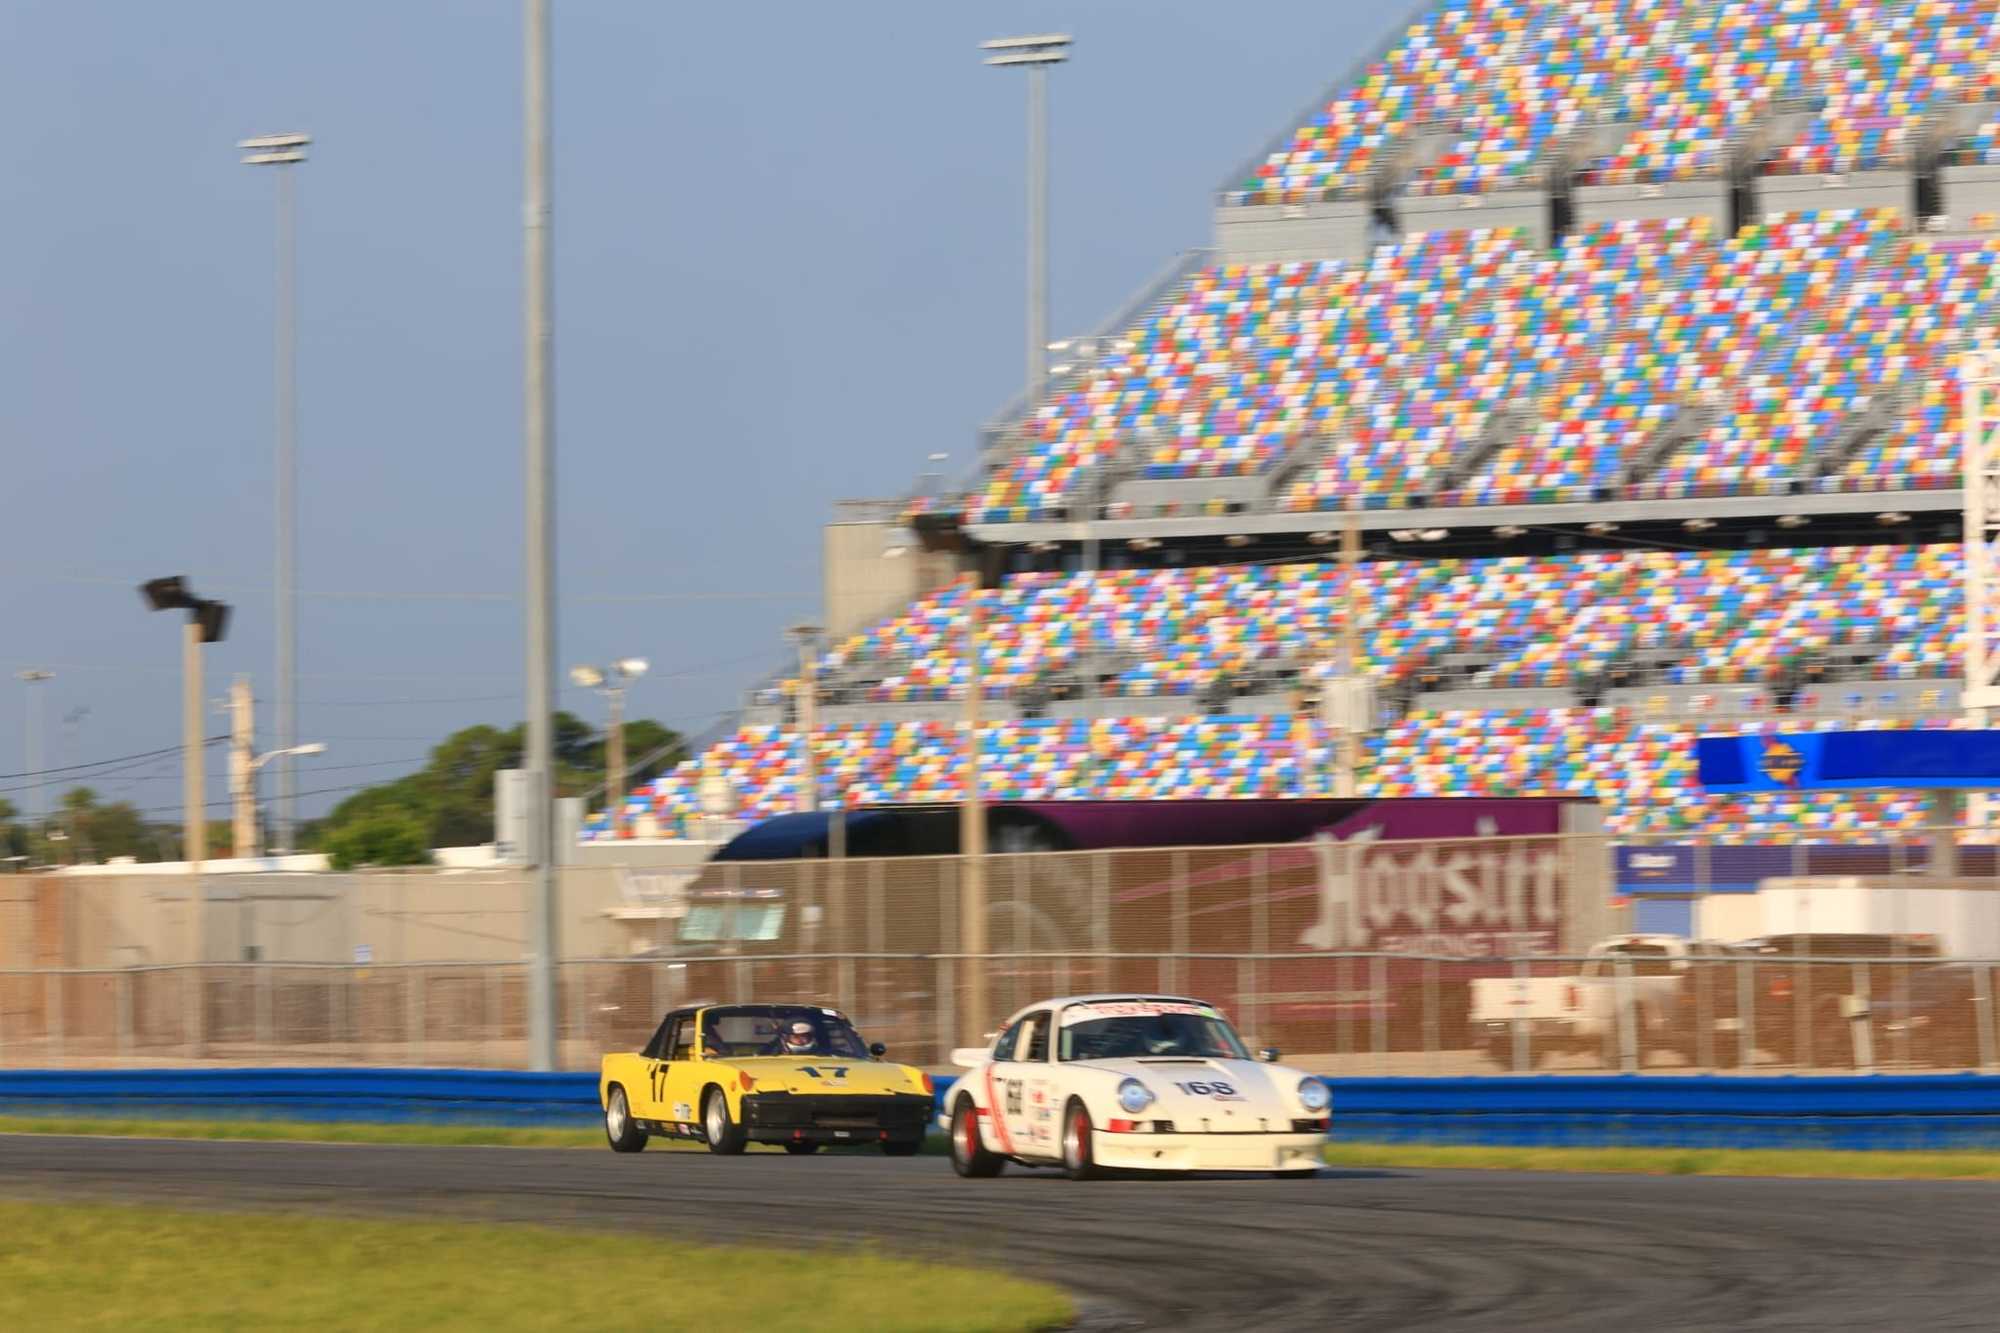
66	1266
1631	1161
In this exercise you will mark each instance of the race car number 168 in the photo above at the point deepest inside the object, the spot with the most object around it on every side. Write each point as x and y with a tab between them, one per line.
1208	1089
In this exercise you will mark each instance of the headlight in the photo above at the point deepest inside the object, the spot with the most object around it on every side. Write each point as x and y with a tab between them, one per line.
1134	1096
1313	1095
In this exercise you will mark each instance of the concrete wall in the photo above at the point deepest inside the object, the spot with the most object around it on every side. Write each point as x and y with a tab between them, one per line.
1525	209
1679	199
1971	192
1863	189
862	585
1264	233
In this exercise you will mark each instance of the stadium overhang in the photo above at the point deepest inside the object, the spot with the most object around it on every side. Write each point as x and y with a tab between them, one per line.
1739	507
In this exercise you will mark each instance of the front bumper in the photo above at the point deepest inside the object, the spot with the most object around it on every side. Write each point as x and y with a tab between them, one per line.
1207	1152
788	1117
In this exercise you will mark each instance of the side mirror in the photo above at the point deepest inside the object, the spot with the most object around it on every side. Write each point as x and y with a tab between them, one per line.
877	1049
1269	1055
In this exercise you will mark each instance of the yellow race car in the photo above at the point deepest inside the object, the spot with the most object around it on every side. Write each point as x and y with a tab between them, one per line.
794	1074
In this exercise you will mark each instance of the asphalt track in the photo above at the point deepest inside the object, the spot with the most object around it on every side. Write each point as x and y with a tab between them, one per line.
1351	1249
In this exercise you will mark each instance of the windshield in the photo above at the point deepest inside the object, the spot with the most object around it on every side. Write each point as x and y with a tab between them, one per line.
1125	1029
775	1029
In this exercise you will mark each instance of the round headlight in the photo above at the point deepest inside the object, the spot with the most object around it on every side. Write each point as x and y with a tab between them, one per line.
1313	1095
1134	1096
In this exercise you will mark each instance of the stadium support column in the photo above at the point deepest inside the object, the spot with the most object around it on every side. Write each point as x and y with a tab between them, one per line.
540	496
1980	447
1345	778
972	835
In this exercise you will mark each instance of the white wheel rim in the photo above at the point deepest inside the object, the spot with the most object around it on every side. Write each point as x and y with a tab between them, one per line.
1073	1141
717	1118
614	1114
962	1140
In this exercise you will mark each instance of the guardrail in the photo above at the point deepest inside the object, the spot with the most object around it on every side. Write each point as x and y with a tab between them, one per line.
1874	1112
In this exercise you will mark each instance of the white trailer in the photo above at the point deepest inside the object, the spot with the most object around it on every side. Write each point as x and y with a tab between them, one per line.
1963	915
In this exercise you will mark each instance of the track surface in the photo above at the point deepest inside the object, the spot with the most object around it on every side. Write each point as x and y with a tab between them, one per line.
1353	1249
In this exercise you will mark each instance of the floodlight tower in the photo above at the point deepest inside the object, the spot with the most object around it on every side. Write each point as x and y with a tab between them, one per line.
285	151
610	681
1035	54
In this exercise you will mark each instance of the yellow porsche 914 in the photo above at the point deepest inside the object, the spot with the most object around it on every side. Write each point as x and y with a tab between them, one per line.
792	1074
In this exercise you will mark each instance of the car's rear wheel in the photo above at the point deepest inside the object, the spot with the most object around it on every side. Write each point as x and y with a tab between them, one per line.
1079	1155
624	1135
801	1149
969	1156
725	1138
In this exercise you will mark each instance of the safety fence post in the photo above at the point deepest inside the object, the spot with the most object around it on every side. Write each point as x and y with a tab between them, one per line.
1378	1003
1746	1013
1518	1020
1861	1026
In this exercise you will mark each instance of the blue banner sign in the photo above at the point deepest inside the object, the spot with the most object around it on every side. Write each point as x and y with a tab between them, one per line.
1850	760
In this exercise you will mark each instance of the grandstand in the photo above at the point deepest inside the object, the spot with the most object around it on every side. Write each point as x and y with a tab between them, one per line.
1625	332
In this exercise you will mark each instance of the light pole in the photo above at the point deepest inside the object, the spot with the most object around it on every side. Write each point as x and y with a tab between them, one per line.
1036	54
539	497
284	151
610	681
248	796
32	677
806	635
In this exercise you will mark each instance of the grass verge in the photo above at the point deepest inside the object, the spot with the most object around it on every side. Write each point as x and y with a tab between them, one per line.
68	1266
435	1135
1676	1161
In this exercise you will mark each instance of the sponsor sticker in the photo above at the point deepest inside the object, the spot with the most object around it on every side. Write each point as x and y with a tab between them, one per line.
1090	1013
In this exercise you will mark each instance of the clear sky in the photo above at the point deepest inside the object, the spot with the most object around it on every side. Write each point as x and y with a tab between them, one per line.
789	254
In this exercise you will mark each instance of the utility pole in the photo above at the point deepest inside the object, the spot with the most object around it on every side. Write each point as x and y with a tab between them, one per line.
32	677
972	832
242	785
538	428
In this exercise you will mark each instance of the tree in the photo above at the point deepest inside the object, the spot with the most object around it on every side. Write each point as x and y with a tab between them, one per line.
452	795
380	839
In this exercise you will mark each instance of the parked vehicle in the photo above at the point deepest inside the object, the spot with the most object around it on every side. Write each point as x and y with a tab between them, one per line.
1630	980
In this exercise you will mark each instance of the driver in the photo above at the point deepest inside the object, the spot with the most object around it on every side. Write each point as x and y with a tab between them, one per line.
1164	1037
796	1039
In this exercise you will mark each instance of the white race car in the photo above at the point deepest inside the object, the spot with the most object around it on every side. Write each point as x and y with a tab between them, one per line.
1130	1082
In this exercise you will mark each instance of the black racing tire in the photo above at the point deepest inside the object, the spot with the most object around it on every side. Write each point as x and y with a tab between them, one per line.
901	1147
725	1138
619	1130
1079	1155
801	1149
969	1155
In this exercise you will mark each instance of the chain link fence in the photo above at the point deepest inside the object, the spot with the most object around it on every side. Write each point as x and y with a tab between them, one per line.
1439	956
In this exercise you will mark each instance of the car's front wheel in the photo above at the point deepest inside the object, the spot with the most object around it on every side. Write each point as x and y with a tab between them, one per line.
725	1138
969	1156
1079	1154
625	1136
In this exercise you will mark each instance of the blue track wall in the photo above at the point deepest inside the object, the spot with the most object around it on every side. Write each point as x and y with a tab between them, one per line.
1870	1112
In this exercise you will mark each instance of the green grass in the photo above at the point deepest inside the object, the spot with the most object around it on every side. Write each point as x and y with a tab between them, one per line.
1677	1161
434	1135
110	1267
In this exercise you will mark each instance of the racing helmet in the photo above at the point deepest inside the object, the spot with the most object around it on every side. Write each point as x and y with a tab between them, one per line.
797	1038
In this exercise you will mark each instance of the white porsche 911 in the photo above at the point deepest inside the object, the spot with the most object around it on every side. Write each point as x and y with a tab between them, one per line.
1128	1082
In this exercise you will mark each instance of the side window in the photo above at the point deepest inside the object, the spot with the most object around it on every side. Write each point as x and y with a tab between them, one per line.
1037	1038
1003	1049
680	1041
657	1047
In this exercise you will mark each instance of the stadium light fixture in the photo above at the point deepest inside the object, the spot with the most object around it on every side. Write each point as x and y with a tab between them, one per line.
610	681
1892	518
1601	526
1510	530
1320	538
1698	524
1239	539
1792	520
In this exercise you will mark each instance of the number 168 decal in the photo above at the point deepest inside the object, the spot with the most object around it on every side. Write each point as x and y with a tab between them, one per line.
1199	1089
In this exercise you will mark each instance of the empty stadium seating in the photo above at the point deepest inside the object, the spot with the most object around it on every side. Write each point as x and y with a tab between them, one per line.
1643	770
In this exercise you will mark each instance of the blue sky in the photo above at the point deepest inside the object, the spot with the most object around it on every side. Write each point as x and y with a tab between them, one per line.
788	267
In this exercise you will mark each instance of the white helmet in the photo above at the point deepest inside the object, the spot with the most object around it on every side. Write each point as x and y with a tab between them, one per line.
798	1038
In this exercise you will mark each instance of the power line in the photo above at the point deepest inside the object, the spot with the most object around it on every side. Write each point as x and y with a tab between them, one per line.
100	763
